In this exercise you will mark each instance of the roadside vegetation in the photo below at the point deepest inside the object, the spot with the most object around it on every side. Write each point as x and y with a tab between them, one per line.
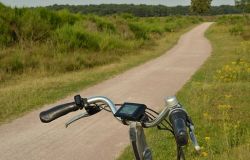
217	98
45	55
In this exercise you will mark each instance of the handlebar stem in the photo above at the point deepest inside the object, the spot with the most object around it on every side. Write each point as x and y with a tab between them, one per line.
105	100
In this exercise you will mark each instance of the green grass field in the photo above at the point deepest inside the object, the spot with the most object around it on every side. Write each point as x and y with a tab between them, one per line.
217	98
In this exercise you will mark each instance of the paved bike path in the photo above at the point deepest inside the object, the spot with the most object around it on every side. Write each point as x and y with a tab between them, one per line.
101	136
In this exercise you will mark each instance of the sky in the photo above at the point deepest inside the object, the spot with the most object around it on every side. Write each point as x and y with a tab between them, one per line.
34	3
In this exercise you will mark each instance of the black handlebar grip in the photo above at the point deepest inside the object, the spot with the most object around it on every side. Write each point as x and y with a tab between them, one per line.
57	111
178	121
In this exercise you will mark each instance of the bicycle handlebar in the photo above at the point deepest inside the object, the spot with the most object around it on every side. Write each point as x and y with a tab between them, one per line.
57	111
173	110
178	121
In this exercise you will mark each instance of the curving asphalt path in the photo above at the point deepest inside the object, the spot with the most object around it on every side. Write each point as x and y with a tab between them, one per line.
101	136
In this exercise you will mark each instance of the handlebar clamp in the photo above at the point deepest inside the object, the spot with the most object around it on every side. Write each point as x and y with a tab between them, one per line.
80	102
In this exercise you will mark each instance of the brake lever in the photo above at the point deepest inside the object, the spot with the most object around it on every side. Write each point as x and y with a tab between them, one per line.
193	137
72	120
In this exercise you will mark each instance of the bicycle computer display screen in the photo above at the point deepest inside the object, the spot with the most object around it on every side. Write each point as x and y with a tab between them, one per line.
128	109
131	111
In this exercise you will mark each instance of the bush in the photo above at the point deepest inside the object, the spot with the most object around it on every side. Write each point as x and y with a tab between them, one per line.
67	17
72	37
127	16
54	19
9	23
102	24
236	30
34	27
139	29
233	19
170	27
5	32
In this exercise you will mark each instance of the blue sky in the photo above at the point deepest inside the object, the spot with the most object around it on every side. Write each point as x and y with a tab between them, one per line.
29	3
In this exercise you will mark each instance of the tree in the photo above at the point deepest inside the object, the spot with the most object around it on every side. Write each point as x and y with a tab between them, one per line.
200	6
244	5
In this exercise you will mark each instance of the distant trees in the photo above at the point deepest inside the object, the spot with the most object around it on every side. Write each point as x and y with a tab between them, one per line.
147	10
200	6
244	5
137	10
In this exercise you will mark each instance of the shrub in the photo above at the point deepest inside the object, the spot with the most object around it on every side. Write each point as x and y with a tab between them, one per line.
72	37
233	19
112	42
5	33
170	27
127	15
67	17
236	30
52	18
139	29
33	27
9	23
103	24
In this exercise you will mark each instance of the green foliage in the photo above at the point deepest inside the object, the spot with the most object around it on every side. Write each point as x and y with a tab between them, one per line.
244	5
143	10
103	24
127	15
239	25
73	37
140	30
237	19
236	30
33	27
5	33
19	25
200	6
67	17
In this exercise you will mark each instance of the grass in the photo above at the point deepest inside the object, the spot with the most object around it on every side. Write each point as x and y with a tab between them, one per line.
217	98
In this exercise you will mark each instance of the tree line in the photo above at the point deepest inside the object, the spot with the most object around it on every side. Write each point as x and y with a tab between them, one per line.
145	10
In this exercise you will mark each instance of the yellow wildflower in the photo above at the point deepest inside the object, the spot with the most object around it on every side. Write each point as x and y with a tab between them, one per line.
224	107
204	154
207	138
228	96
206	115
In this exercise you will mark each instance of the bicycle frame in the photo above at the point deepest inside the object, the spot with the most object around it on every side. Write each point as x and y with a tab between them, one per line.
138	142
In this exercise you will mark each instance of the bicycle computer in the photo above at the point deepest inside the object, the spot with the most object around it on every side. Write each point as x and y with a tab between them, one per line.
131	111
